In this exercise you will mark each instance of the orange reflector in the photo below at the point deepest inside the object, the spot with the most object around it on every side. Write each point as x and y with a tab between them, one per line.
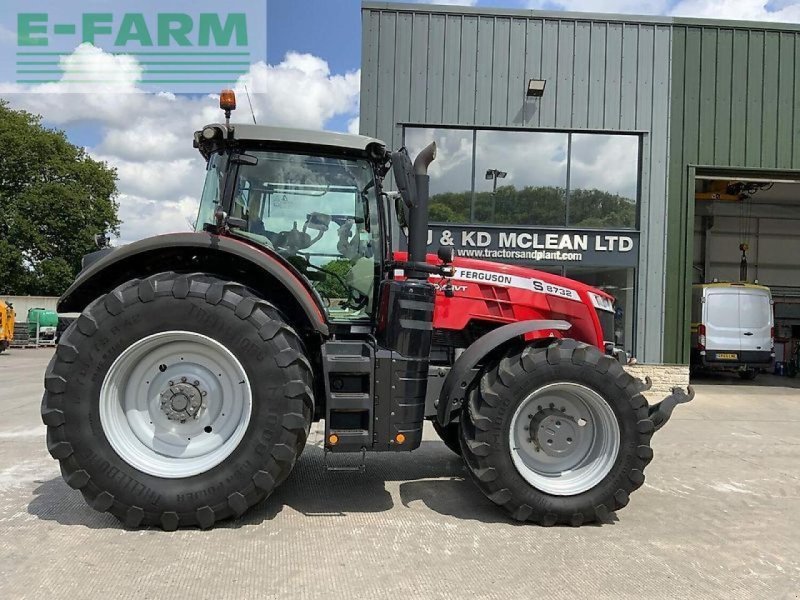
400	438
333	439
227	100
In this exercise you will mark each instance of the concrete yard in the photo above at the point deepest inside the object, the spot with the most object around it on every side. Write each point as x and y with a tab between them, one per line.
718	517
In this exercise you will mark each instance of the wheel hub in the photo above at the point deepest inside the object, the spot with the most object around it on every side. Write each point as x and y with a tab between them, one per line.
564	438
182	401
553	432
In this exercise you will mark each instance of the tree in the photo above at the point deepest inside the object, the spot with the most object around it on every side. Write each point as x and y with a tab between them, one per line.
54	199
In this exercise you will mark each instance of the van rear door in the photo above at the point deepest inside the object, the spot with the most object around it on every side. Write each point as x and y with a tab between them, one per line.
755	318
722	320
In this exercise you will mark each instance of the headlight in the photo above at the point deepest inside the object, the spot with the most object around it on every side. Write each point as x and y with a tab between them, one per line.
601	302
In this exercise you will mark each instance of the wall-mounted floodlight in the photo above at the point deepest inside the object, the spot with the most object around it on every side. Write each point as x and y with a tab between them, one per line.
536	88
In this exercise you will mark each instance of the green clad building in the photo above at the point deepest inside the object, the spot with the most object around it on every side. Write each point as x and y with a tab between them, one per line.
638	154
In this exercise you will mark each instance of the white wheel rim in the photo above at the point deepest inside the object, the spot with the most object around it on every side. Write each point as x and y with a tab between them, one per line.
175	404
564	439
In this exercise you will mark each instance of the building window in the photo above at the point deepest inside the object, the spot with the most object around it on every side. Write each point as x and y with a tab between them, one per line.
536	178
520	178
604	181
451	172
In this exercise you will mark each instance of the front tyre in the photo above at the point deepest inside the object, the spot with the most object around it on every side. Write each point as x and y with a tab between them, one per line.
558	434
177	400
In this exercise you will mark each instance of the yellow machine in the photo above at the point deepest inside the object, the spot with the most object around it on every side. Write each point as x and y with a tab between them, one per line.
6	325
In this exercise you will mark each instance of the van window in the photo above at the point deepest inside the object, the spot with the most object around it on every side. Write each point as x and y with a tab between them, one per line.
754	310
723	310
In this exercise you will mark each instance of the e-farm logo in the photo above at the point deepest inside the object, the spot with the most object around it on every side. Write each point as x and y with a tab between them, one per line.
174	48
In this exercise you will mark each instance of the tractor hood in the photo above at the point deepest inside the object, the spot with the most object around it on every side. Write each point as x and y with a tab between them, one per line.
516	276
484	294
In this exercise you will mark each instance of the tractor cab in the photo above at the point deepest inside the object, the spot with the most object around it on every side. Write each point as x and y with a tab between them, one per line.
306	197
314	207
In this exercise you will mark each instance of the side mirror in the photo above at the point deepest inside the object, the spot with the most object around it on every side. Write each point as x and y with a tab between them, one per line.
446	254
404	177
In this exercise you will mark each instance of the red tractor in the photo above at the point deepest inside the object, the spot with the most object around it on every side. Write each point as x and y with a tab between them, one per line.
185	391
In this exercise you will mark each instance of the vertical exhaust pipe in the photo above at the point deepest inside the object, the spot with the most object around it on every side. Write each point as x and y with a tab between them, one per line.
418	217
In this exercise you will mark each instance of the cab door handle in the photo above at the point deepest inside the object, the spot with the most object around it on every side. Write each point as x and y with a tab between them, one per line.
748	333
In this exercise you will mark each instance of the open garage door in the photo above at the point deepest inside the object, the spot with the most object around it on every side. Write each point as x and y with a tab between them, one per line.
747	228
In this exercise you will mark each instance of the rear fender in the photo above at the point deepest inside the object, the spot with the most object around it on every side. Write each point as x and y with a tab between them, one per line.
228	258
463	373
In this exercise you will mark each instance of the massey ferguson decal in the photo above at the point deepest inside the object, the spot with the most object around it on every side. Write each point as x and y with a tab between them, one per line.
538	246
515	281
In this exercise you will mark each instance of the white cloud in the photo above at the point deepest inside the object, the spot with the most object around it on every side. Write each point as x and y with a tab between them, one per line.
147	137
7	36
642	7
746	10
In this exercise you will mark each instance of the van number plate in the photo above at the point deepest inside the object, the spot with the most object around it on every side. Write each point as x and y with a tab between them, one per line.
729	356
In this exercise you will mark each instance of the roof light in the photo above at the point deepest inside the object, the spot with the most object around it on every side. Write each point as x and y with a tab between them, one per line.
227	100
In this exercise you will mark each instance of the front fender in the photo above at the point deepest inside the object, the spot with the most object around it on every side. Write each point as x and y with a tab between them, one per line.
191	252
463	372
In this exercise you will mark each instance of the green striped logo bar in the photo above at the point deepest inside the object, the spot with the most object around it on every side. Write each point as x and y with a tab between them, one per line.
176	47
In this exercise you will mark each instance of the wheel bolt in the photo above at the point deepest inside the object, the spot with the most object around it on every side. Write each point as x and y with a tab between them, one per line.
183	379
195	382
171	382
552	405
204	394
569	440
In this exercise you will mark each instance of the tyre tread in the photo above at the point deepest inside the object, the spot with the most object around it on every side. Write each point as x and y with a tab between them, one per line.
271	326
482	411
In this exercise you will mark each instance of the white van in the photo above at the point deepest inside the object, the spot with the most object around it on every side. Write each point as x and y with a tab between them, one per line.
732	328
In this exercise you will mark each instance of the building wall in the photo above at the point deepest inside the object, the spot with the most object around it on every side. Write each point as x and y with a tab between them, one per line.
440	66
735	103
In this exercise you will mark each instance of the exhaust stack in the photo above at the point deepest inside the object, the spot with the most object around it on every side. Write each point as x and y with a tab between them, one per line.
418	217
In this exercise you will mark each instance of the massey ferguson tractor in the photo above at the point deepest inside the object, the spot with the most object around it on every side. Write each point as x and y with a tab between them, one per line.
185	391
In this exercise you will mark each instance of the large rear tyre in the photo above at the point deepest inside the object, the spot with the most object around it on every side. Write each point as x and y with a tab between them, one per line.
177	400
557	435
